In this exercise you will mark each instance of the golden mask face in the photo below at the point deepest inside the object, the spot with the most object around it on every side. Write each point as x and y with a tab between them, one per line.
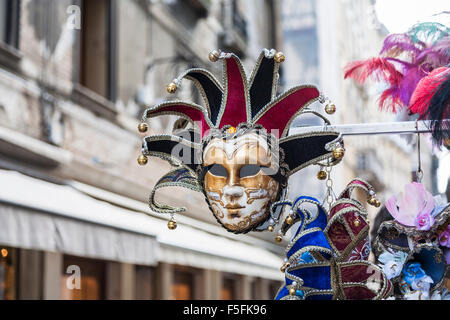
237	183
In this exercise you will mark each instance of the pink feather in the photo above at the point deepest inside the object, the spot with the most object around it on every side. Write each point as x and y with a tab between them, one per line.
425	90
391	206
380	69
414	201
390	99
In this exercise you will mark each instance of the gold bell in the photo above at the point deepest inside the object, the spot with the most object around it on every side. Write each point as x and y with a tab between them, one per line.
289	219
142	160
372	201
278	238
321	175
270	228
356	222
330	108
292	291
279	57
172	224
214	55
447	142
231	130
377	203
284	266
142	127
338	153
171	87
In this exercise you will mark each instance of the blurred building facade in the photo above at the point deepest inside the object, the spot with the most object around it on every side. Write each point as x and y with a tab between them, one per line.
74	79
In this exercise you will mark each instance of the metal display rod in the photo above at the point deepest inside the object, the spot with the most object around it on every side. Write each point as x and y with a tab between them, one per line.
370	128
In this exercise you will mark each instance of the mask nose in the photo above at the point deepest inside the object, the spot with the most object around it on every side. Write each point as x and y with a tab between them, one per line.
232	193
234	178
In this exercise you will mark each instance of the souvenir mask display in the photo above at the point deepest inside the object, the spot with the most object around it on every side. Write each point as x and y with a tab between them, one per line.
238	152
413	248
328	255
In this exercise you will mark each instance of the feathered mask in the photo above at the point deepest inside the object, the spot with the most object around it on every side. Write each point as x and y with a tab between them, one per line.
238	152
414	246
415	66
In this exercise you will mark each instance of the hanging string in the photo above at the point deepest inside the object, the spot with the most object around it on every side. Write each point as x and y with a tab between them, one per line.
419	165
329	184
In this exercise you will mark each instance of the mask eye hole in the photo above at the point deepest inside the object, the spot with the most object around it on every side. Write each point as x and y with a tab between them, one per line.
249	170
218	170
268	171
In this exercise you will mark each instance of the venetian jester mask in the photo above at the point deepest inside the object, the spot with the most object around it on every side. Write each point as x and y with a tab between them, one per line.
238	152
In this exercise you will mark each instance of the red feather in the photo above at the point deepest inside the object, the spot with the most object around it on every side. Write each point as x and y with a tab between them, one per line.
378	68
390	99
427	86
